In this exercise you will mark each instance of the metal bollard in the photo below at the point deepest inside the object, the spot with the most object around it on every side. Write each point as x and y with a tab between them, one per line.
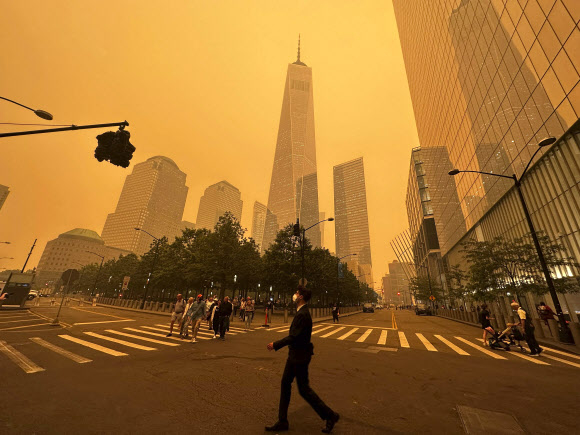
553	324
575	330
285	315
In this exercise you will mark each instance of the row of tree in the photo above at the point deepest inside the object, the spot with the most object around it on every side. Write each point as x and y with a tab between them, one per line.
225	262
500	267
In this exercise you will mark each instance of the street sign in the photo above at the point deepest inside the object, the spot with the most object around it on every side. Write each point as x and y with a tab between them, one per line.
303	282
432	297
70	275
126	282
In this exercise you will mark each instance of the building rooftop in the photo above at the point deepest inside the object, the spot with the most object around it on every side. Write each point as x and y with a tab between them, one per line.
167	159
82	233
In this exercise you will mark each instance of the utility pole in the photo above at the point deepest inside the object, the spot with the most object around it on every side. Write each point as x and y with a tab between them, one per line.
27	258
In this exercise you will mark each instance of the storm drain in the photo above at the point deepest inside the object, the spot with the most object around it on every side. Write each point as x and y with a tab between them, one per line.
482	422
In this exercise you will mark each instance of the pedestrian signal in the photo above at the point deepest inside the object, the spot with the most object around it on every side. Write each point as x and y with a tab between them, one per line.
115	147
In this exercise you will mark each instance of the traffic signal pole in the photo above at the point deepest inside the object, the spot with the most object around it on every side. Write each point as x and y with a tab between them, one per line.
72	127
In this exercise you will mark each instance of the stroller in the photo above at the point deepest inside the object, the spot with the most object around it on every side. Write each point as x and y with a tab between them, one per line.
511	336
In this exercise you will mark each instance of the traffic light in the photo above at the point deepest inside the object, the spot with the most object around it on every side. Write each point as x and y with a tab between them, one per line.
115	147
297	228
398	293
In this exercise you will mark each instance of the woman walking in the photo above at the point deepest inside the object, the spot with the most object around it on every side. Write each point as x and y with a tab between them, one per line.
249	313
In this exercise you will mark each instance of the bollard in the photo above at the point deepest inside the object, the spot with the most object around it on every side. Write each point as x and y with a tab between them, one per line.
575	330
265	325
285	315
553	324
156	307
164	309
538	330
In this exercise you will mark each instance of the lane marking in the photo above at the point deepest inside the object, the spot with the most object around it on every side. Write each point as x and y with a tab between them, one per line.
403	340
320	330
21	320
19	359
332	332
151	340
451	345
283	330
383	337
84	310
165	331
480	348
359	326
426	342
348	334
236	329
565	361
363	337
104	321
93	345
25	326
206	332
529	358
14	317
67	354
116	340
273	329
155	334
560	352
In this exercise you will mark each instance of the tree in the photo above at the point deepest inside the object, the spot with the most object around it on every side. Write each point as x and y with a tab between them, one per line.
423	287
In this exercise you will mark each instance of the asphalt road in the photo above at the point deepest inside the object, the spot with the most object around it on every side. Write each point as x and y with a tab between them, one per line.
384	372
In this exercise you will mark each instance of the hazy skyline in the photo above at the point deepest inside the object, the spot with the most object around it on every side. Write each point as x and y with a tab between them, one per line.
199	83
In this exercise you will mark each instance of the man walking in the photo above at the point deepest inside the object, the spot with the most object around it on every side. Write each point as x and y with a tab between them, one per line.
300	351
335	313
176	313
528	328
195	314
225	312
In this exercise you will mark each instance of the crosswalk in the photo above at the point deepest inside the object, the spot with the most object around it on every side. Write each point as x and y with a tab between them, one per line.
111	342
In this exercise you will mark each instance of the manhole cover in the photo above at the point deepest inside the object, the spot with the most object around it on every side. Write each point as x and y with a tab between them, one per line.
482	422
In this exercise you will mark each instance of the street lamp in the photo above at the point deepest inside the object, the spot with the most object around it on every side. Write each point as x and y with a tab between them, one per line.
6	258
565	334
40	113
146	286
6	242
99	272
297	226
338	274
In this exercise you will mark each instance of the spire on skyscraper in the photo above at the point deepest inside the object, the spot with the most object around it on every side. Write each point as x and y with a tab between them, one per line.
298	62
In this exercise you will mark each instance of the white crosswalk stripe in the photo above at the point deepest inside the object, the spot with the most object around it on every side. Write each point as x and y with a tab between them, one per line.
151	340
67	354
283	330
166	330
93	345
19	359
154	334
383	337
559	352
480	348
535	360
451	345
348	334
426	342
200	331
555	358
321	329
332	332
403	340
122	342
363	337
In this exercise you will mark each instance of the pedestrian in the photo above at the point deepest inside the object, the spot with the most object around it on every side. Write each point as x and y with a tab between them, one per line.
270	310
185	320
52	301
249	313
335	313
225	313
485	324
528	329
242	310
546	313
195	314
300	351
36	301
176	313
214	317
236	304
208	309
254	311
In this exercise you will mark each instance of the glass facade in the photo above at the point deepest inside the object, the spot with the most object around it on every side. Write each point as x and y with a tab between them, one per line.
216	200
489	79
294	184
153	198
351	218
258	222
4	191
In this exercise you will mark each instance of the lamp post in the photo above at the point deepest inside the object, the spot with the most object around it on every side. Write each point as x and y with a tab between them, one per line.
82	272
99	271
6	242
565	335
146	286
338	274
40	113
6	258
27	258
303	238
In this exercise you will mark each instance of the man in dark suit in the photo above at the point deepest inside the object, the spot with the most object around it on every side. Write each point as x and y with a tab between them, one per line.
300	351
225	313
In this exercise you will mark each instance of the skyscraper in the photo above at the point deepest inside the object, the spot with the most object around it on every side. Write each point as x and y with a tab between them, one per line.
216	200
258	221
4	191
294	184
153	198
351	218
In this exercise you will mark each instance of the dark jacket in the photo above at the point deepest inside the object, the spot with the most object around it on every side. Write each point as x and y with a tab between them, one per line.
226	309
298	341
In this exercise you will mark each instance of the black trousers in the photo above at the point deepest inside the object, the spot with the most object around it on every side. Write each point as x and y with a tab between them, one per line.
224	325
531	340
299	370
334	317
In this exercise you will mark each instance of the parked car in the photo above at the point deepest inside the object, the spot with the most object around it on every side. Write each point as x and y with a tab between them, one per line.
379	307
422	309
32	294
368	308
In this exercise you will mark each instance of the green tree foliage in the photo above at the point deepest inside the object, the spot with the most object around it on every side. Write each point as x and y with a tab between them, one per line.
422	288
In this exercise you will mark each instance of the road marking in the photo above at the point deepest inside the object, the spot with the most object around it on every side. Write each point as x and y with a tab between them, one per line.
452	346
361	349
403	339
320	330
99	314
348	334
93	345
426	342
14	317
529	358
151	340
283	330
116	340
345	324
555	358
104	321
155	334
273	329
480	348
560	352
206	332
21	320
383	337
165	331
73	356
363	337
332	332
20	360
240	330
25	326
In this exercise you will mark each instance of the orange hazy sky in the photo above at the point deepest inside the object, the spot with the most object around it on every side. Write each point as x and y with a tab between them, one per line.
200	82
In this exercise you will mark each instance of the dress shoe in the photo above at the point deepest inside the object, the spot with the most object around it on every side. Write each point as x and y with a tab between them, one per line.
279	426
330	423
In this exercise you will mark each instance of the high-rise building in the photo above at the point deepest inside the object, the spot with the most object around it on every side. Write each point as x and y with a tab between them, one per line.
258	221
72	250
396	284
4	191
322	217
187	225
351	218
216	201
294	185
153	199
489	80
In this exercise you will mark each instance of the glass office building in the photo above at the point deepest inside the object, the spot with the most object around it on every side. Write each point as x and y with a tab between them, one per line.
489	79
